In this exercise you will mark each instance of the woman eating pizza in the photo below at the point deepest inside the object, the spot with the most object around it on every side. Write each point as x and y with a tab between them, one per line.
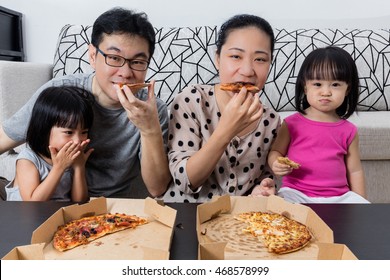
220	135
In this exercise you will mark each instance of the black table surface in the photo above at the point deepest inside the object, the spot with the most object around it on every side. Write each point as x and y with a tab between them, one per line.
364	228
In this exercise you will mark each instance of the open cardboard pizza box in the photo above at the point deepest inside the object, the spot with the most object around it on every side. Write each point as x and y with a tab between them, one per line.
149	241
221	236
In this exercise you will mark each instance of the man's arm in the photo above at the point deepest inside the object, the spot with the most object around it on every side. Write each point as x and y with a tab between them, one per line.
154	160
6	143
154	164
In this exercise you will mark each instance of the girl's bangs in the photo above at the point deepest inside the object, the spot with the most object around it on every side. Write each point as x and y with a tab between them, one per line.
70	121
326	70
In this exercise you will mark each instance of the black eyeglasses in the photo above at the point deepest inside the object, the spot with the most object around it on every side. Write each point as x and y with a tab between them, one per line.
118	61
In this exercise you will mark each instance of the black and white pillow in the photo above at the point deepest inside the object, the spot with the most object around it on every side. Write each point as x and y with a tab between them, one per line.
185	56
71	54
369	48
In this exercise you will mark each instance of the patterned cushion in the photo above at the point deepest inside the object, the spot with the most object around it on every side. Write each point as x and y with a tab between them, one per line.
71	54
369	48
185	56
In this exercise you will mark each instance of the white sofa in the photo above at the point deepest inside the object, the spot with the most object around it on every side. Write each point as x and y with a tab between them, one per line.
185	56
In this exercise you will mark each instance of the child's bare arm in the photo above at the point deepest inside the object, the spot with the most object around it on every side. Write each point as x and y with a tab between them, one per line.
355	173
30	186
279	149
79	187
28	179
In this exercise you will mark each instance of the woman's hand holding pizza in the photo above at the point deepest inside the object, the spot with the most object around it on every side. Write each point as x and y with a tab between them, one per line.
241	111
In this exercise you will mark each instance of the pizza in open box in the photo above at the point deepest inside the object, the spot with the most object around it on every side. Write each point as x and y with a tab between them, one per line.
279	234
85	230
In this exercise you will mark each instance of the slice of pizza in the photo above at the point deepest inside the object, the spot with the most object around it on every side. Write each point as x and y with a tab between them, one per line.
289	162
84	230
236	87
135	87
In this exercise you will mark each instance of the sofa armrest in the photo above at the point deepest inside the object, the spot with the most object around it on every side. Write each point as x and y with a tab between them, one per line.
18	81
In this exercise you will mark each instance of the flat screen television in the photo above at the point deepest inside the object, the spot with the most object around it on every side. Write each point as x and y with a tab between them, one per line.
11	35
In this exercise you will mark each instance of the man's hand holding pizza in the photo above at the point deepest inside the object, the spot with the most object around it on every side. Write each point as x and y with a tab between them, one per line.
143	114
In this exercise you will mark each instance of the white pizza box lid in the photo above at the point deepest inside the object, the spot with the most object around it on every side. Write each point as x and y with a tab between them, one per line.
148	242
220	237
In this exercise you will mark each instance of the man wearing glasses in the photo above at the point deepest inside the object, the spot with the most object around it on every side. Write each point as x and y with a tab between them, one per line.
130	129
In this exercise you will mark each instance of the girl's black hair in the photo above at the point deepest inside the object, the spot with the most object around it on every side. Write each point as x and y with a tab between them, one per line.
64	106
242	21
329	63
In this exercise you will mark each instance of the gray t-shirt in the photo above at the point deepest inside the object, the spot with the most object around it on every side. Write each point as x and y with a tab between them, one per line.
113	169
62	191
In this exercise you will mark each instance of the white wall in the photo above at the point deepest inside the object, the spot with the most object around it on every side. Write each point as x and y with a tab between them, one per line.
43	19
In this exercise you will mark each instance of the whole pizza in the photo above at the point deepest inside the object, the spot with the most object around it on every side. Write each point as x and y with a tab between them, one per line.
85	230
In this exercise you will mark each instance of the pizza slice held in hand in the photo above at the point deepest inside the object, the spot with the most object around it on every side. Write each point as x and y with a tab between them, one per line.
135	87
236	87
289	162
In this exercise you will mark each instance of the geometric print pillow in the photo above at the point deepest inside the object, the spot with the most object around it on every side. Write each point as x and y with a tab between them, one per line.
185	56
369	48
71	54
182	56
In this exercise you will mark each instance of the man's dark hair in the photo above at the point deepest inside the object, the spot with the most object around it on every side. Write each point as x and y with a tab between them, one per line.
123	21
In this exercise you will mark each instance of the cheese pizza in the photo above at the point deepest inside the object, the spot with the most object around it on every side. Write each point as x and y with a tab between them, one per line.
279	234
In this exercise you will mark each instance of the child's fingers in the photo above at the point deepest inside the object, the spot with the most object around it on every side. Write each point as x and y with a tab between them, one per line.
68	146
84	144
88	153
75	154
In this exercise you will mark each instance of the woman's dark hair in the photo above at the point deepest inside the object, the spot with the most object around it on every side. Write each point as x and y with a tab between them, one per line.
329	63
64	106
123	21
242	21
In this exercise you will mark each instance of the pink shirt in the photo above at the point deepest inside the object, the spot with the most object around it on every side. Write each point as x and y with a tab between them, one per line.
320	148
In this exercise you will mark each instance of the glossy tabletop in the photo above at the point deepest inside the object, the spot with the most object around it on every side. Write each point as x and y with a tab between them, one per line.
364	228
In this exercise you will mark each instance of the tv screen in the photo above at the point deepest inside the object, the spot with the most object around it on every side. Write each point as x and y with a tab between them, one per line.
11	42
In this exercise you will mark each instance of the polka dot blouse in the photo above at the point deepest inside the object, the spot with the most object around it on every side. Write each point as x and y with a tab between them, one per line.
194	116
